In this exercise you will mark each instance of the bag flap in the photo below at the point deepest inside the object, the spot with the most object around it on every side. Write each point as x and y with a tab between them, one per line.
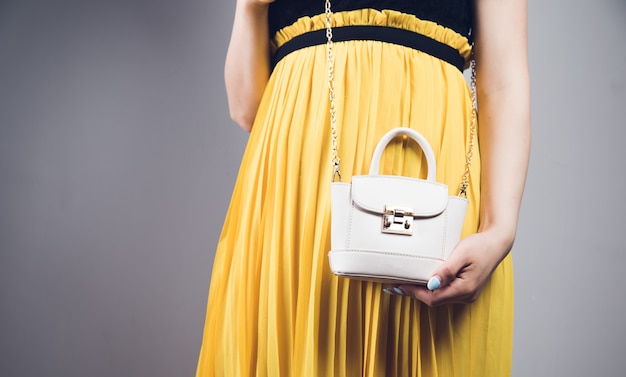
373	192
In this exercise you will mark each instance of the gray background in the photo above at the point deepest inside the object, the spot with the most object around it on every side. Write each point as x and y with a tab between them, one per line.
117	158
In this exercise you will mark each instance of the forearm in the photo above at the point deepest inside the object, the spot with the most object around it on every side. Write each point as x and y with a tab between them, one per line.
247	65
505	149
504	114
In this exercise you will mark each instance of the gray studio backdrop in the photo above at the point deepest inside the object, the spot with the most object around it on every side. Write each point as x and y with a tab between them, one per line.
117	158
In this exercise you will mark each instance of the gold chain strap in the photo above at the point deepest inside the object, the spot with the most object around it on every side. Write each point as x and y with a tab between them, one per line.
333	112
331	92
473	121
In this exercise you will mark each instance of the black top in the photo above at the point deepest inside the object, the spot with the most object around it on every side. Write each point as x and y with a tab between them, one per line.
454	14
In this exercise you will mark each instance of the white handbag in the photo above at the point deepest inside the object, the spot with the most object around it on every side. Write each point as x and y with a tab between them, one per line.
393	229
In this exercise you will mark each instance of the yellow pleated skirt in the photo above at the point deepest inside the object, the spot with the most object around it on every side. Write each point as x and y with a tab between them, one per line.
274	307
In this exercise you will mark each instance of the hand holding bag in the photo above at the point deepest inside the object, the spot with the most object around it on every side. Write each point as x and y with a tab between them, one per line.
393	229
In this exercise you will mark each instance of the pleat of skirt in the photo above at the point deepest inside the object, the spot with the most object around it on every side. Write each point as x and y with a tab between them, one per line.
274	307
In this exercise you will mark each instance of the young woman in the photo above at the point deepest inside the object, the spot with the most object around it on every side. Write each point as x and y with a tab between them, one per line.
274	307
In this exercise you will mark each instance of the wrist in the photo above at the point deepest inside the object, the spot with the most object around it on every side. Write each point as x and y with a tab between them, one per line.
502	236
254	6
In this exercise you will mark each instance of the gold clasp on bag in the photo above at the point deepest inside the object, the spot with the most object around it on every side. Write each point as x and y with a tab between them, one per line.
398	221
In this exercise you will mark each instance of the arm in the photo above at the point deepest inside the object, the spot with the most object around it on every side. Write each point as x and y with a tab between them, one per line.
504	118
247	67
504	95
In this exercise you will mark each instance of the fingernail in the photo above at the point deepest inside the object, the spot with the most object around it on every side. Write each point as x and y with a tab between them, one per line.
389	291
433	283
398	291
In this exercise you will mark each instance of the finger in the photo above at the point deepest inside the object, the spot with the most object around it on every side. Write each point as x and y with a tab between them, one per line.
445	286
418	292
447	272
393	291
452	293
423	294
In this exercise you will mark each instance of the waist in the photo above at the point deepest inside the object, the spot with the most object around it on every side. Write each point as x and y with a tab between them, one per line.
403	37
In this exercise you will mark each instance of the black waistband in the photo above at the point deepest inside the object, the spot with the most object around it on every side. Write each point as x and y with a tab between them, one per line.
374	33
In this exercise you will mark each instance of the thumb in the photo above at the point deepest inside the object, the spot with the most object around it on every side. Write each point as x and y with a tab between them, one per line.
445	273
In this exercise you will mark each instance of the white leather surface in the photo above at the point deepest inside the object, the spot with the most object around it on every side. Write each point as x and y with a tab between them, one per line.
354	228
388	268
374	192
360	249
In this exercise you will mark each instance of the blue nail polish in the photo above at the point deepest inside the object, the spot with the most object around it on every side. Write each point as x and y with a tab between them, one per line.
433	283
398	291
389	291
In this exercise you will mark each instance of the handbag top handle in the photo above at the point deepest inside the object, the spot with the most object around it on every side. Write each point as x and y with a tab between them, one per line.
418	138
